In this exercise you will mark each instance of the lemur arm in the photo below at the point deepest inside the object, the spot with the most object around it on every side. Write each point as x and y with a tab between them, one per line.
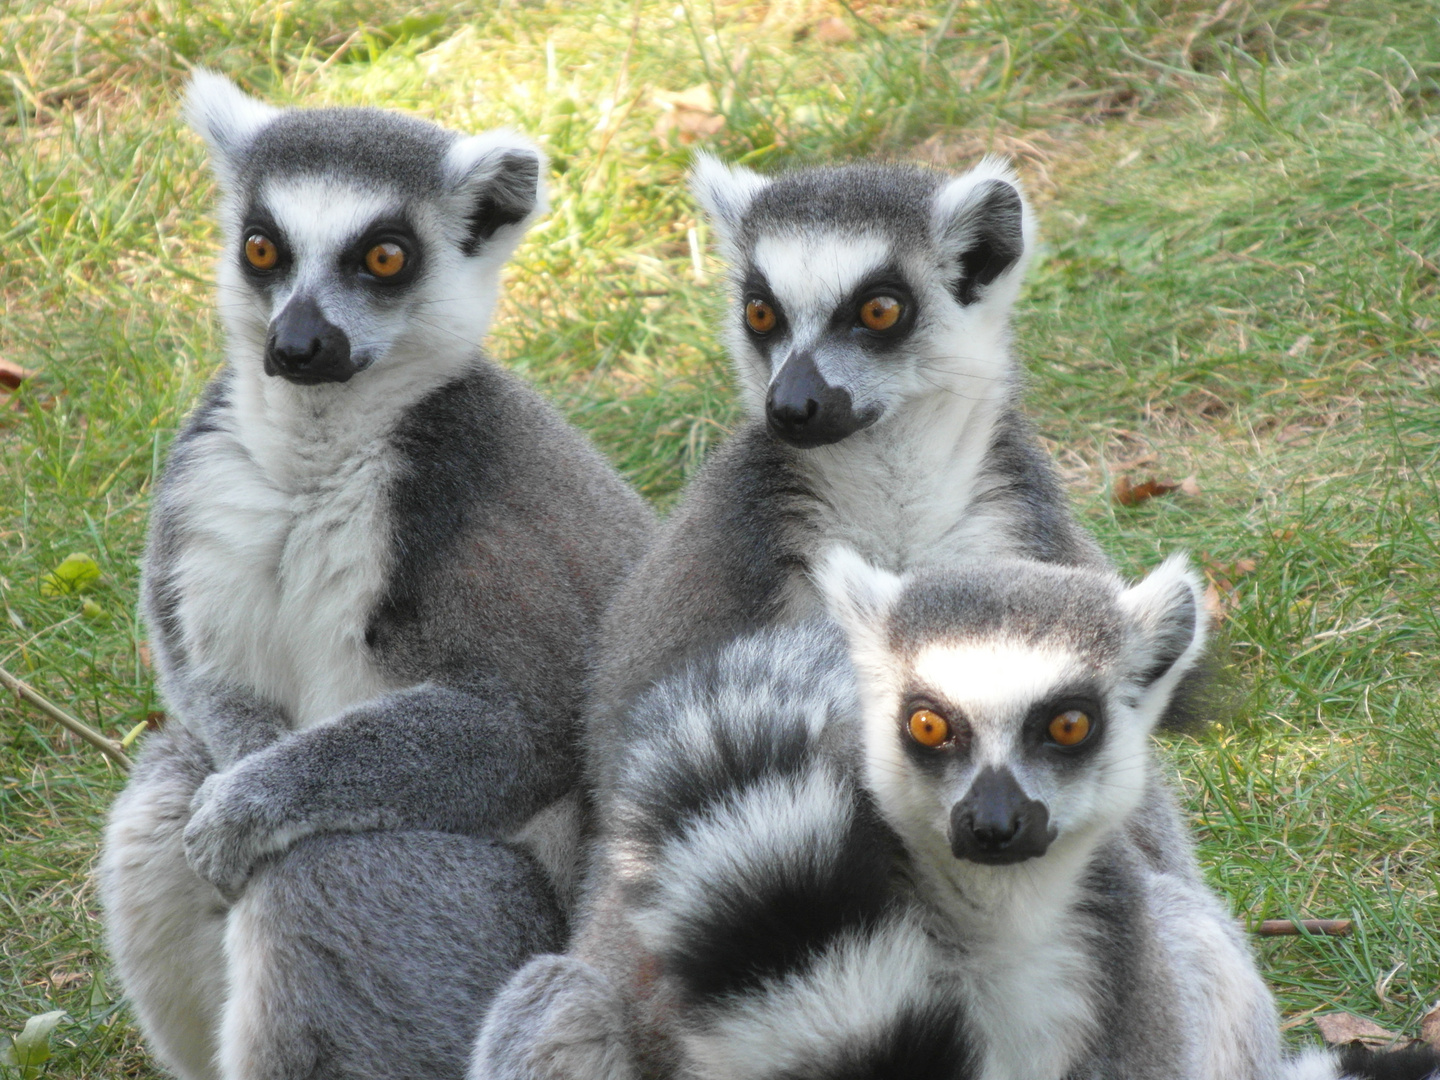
232	721
462	759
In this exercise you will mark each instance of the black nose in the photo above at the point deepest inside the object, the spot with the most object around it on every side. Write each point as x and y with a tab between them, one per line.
805	410
305	347
791	416
997	823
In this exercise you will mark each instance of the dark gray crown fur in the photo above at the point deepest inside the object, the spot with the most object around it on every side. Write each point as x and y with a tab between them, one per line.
364	146
894	199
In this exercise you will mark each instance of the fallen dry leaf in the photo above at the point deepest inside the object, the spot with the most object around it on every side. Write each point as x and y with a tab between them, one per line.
1340	1028
1216	605
833	31
698	97
20	404
1221	594
689	113
1288	927
1223	571
1224	575
1190	486
1128	494
12	374
1430	1027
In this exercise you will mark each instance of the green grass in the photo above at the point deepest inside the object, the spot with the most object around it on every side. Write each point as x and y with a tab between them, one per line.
1239	283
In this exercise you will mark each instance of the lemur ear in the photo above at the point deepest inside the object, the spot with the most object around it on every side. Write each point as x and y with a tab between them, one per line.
226	117
859	596
982	221
724	191
1167	612
497	175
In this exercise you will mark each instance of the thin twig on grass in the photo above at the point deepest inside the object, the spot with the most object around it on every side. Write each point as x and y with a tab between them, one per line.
1287	927
109	747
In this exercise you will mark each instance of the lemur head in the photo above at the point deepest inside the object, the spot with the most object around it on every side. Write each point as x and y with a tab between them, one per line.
1008	706
356	237
858	289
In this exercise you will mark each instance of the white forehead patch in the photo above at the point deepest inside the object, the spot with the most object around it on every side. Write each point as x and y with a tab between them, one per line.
319	215
993	677
811	274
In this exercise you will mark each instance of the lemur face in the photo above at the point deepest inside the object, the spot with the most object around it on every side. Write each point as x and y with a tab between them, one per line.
1007	709
1005	745
355	236
857	289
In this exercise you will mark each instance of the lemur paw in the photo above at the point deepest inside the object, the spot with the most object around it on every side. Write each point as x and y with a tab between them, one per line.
226	835
559	1018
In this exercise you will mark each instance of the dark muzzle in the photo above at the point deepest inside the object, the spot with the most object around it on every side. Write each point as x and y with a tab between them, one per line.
805	410
996	823
306	348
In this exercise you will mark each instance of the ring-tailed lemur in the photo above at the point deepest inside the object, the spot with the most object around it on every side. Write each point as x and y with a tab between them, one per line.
925	877
376	564
1007	712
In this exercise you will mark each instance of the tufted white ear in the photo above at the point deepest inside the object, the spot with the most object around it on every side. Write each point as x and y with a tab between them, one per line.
859	596
725	192
1166	610
498	176
226	117
983	222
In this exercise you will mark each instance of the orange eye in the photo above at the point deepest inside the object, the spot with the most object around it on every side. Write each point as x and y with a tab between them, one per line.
928	728
880	312
760	316
385	260
261	252
1070	728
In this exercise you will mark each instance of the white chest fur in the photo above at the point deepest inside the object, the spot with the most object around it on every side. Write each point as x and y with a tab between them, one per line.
904	496
1029	983
1031	998
283	559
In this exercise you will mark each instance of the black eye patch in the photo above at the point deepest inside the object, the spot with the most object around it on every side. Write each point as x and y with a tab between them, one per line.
1066	727
760	312
373	255
263	251
887	283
